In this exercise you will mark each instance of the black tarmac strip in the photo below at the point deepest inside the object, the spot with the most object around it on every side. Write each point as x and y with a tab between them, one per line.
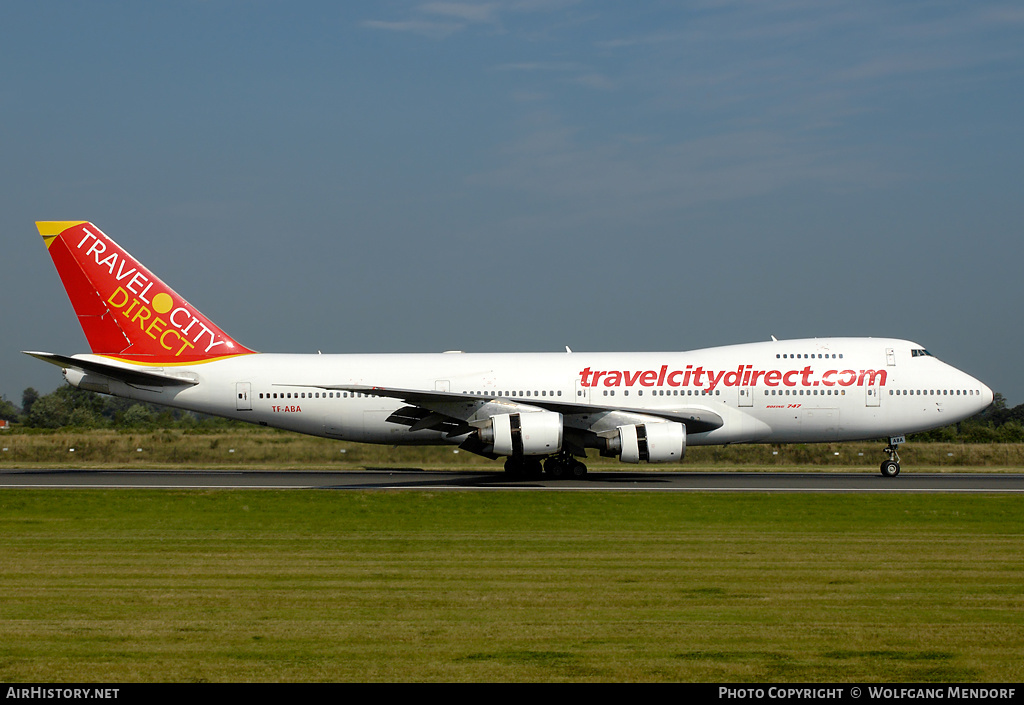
416	479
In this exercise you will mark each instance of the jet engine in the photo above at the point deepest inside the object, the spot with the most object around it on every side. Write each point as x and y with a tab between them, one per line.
531	433
660	442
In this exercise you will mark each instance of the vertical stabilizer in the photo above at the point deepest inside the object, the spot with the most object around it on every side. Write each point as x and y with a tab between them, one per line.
124	309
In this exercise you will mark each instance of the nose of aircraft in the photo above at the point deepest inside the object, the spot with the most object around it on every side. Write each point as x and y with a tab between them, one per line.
986	395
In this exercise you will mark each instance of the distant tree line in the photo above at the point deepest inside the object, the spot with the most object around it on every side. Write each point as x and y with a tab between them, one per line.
70	407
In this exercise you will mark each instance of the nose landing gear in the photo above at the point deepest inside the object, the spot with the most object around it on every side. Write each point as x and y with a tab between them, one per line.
891	467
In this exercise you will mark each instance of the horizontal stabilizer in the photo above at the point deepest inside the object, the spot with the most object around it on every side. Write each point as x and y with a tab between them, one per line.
149	377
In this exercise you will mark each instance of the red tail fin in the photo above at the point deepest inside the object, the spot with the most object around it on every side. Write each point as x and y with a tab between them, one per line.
124	309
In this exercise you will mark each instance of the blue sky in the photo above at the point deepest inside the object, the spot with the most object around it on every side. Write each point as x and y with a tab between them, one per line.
518	175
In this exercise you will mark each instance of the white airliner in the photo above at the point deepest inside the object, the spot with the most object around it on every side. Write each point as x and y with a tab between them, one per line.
540	411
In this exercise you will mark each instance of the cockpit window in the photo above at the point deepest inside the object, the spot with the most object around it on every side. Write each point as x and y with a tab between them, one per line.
920	352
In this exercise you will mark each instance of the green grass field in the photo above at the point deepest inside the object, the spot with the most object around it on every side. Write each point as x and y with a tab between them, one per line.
255	447
167	586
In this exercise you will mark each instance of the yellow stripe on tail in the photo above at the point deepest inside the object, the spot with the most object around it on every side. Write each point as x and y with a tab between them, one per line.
50	229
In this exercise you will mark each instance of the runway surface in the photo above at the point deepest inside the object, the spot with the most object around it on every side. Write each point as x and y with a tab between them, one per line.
415	479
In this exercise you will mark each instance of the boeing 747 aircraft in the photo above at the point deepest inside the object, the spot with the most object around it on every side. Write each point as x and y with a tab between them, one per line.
542	412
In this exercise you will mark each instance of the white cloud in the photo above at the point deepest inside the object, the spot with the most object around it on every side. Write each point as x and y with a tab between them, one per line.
434	30
440	19
467	12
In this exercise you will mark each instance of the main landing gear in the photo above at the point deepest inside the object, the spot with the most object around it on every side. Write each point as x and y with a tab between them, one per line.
891	467
523	467
556	467
564	465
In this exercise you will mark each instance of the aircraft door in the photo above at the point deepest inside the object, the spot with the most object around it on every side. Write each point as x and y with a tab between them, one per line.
746	396
582	393
243	396
873	395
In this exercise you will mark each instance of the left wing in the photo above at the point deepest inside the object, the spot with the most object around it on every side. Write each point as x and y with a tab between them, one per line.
458	413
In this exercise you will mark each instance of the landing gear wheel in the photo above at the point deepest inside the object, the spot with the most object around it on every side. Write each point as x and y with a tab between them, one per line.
555	468
532	468
578	469
520	467
560	466
514	467
890	468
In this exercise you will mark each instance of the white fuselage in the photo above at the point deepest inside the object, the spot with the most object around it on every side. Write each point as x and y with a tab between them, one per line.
811	390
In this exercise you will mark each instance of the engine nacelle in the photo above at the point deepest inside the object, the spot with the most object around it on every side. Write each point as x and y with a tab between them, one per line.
531	433
651	442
